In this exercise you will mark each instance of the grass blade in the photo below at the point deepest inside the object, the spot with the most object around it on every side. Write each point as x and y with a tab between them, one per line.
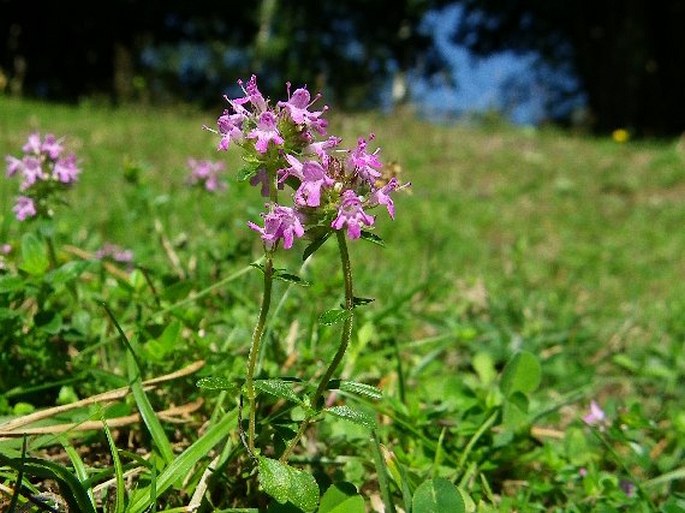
184	462
119	497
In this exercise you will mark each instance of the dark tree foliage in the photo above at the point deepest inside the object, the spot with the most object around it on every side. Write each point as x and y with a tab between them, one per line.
69	50
629	54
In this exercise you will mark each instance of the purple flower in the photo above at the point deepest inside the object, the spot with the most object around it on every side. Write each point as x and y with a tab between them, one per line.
280	223
24	208
116	253
5	249
382	196
366	164
262	177
596	416
266	131
51	146
298	107
14	165
351	214
314	178
321	147
32	172
206	173
33	144
65	169
254	96
230	128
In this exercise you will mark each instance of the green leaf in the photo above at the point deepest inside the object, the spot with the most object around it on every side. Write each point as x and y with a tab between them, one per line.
278	388
342	498
67	272
160	347
48	321
11	283
248	171
437	495
334	316
372	237
34	255
287	484
515	412
361	301
183	463
216	383
283	275
522	373
360	389
71	489
316	244
358	417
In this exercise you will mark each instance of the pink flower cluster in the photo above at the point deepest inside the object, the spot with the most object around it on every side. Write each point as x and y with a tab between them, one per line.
44	171
205	173
287	145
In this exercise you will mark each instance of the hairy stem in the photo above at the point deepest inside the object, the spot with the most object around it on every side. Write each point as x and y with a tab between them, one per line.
345	337
254	350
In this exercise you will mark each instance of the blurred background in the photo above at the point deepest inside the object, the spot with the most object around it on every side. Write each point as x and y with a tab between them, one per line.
598	66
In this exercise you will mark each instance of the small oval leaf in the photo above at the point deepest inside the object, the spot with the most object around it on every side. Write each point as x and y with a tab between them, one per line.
437	495
34	255
342	498
287	484
522	373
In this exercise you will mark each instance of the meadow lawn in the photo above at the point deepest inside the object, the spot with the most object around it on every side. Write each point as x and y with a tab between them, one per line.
558	243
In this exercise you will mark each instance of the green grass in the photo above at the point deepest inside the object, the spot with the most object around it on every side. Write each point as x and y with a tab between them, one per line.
560	244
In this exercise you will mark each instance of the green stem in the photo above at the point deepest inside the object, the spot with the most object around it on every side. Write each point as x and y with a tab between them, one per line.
52	254
254	349
345	337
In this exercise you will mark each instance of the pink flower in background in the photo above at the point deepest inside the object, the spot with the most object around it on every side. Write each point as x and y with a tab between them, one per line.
65	169
24	208
114	252
352	215
14	165
206	173
51	146
41	166
596	416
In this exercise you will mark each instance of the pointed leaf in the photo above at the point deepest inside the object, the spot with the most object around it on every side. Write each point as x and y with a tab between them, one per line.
216	383
372	237
334	316
278	388
248	171
283	275
342	498
67	272
361	301
360	389
357	416
287	484
437	495
522	373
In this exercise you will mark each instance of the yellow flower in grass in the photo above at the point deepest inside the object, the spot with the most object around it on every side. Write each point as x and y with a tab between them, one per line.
620	135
